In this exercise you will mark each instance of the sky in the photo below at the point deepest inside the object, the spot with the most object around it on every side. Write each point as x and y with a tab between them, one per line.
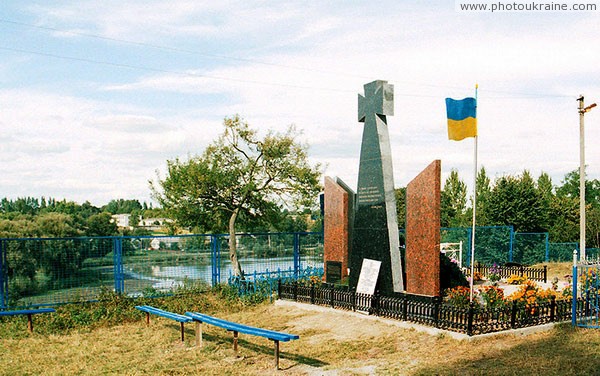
96	96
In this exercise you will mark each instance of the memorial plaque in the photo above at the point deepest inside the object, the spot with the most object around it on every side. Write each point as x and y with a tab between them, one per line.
333	271
369	273
375	232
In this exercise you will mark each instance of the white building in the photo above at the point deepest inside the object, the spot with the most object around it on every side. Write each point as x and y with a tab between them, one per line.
122	220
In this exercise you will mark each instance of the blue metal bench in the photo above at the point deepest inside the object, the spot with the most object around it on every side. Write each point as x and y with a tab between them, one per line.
29	313
166	314
236	328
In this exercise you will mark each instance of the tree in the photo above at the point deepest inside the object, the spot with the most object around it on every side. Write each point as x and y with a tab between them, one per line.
454	201
483	190
545	186
400	194
57	225
564	212
568	210
516	201
122	206
239	177
101	225
570	188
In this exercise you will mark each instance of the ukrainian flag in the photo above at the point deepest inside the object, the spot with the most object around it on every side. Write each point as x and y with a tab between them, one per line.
462	118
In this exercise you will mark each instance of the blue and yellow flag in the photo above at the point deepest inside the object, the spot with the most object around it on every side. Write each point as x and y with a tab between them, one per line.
462	118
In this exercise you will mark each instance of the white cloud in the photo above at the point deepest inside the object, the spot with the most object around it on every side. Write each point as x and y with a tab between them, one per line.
315	59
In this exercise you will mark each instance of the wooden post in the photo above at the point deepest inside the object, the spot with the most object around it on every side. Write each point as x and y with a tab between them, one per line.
199	333
29	323
182	332
276	343
147	318
235	342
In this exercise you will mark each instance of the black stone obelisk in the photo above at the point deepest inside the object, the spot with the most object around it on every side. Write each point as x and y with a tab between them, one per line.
375	234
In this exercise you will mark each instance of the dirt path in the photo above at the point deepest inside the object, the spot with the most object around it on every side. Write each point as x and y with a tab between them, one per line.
349	343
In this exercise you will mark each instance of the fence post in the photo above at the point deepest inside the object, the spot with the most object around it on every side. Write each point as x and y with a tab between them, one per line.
521	270
332	297
574	288
552	308
118	265
436	310
375	303
404	307
214	256
510	248
545	274
312	293
296	254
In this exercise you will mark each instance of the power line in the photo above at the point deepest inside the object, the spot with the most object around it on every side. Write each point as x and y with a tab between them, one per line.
181	50
508	94
217	56
158	70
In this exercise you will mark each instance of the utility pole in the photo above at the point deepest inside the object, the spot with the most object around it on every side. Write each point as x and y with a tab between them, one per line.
582	111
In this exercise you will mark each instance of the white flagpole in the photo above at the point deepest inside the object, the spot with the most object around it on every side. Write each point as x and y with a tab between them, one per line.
474	206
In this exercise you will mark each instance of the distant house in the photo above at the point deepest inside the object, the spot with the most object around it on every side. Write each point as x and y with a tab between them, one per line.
150	224
154	224
122	220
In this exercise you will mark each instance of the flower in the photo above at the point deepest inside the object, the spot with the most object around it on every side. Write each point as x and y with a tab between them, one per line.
493	296
458	296
495	271
516	279
530	295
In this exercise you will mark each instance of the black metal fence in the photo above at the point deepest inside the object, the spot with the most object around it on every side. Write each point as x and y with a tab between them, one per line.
503	271
433	311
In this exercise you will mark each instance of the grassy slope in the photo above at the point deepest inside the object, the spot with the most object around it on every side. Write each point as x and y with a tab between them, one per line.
331	340
112	339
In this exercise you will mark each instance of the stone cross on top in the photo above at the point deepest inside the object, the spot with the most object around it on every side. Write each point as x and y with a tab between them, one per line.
378	100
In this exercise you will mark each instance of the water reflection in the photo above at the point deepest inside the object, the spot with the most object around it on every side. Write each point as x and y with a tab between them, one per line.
164	277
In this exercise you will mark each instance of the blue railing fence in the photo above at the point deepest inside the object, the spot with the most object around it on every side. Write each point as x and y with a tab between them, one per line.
501	244
50	271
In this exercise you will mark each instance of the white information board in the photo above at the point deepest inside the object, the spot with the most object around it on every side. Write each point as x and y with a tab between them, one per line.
367	280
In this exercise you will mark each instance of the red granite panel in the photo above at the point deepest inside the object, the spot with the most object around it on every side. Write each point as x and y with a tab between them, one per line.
335	227
423	232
